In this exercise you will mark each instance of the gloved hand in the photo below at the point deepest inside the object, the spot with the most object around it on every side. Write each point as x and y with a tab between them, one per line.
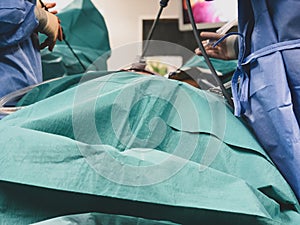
38	4
225	50
51	5
49	25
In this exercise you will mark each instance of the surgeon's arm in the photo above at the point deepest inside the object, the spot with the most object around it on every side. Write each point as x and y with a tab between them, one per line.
17	21
20	18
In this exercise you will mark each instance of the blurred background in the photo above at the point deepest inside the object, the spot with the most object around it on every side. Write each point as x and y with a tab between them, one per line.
124	18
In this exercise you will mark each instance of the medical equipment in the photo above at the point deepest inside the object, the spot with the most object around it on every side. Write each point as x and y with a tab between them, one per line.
65	40
203	72
207	60
7	102
208	15
223	30
141	64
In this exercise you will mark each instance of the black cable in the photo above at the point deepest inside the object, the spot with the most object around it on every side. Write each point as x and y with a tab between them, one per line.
204	53
64	39
73	52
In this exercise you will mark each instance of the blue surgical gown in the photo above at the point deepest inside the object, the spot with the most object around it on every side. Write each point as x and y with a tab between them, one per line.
20	62
268	73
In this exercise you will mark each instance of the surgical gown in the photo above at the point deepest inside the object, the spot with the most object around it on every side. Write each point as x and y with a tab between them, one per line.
268	74
20	63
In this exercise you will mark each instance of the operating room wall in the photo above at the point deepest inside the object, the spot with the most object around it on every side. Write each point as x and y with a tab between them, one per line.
124	18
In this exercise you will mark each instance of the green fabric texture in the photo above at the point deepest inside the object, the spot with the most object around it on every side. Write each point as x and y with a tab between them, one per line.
141	146
48	89
86	32
101	219
222	66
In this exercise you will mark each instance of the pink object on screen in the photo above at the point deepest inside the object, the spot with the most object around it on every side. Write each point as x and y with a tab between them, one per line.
205	12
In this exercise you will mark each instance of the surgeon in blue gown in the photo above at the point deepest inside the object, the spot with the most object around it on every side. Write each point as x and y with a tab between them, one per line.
266	84
20	61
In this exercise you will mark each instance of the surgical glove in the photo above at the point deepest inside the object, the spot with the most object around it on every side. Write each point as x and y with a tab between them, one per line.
49	25
38	4
46	6
228	49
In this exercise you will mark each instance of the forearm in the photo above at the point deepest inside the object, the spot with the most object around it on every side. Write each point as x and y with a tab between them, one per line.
41	16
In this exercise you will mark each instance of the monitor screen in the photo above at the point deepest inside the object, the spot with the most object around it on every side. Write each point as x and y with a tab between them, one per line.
208	14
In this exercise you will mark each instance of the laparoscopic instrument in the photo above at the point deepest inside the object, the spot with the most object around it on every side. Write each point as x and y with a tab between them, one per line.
65	40
141	64
206	57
